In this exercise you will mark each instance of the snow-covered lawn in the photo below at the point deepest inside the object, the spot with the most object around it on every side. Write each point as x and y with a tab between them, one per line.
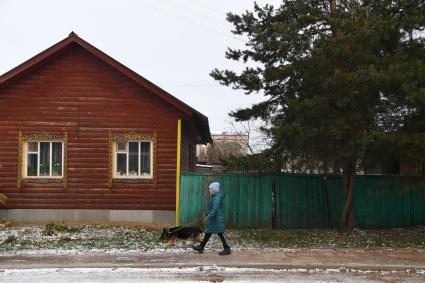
82	238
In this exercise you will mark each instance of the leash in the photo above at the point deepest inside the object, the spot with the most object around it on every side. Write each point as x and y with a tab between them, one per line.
190	224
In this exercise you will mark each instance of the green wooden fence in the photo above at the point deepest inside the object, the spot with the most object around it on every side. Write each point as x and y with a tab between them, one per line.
301	202
192	198
247	203
390	201
306	201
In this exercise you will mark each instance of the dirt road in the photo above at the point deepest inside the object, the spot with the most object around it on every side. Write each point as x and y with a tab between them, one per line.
273	259
241	266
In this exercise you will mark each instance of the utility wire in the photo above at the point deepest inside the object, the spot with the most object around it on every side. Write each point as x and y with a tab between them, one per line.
204	16
206	7
190	21
189	85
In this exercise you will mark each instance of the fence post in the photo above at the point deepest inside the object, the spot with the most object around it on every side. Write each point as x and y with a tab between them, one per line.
207	181
326	200
274	218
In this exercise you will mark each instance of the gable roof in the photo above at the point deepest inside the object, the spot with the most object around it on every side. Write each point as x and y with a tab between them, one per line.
200	120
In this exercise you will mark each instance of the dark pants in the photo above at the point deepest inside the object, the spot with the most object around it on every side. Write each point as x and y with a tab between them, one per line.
208	236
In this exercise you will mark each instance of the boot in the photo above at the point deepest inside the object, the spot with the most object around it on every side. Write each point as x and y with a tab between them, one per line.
225	251
199	249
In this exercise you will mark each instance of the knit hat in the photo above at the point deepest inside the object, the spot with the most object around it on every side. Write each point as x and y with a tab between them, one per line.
215	187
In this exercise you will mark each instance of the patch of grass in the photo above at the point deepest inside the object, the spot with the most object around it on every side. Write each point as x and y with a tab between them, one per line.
10	239
64	241
53	229
330	238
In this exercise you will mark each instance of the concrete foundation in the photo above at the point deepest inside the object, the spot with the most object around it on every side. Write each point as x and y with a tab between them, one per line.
89	215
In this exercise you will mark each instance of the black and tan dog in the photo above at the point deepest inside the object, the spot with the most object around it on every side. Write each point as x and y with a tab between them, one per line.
172	235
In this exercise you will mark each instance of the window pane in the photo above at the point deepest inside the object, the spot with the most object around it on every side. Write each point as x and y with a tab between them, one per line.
121	164
32	165
57	159
44	158
133	159
122	146
33	147
145	158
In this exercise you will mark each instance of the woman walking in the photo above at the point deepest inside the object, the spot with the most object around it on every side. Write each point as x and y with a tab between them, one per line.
215	219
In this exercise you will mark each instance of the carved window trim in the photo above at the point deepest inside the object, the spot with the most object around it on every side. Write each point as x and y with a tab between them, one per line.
113	138
40	137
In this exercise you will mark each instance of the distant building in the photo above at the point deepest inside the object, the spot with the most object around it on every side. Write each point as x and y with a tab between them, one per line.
224	145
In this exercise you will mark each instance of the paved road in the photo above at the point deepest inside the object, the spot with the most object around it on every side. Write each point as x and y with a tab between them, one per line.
241	266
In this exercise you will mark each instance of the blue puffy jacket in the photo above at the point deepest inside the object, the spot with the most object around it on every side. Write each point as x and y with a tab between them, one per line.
215	217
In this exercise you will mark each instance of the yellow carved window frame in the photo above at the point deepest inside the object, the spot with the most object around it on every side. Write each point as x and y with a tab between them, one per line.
113	139
41	137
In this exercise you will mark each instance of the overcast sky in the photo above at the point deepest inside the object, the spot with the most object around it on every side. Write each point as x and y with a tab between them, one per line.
173	43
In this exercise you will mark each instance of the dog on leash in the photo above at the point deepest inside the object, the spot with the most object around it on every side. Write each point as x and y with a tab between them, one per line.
181	233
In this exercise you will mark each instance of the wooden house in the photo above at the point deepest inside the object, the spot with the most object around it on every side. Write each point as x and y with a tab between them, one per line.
84	138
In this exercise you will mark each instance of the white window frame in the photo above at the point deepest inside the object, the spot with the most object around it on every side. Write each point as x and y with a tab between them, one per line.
25	157
115	159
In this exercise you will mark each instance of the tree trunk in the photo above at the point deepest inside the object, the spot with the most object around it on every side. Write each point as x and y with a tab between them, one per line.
332	4
332	7
348	218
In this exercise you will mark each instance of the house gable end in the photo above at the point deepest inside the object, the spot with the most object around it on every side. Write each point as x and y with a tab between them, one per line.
70	42
44	57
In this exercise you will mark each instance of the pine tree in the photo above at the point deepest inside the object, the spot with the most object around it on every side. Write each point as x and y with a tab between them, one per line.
341	79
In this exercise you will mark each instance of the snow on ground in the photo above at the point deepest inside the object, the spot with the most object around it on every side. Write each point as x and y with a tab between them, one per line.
33	239
106	239
197	274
